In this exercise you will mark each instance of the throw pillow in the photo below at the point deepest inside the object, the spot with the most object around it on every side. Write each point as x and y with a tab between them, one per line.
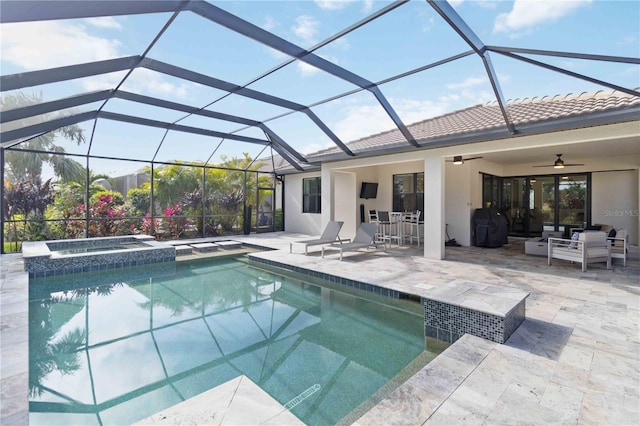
574	241
612	233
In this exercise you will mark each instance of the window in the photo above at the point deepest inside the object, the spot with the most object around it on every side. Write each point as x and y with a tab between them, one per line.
408	192
311	195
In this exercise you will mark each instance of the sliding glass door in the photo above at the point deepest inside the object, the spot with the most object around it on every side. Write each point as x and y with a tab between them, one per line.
572	202
542	202
515	205
533	204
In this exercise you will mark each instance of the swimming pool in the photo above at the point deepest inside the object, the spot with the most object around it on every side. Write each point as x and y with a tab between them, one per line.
113	347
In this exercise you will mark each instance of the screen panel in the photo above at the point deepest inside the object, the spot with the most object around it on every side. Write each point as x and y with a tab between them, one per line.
117	139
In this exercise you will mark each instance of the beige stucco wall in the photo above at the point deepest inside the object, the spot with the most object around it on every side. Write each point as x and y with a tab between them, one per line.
295	220
615	200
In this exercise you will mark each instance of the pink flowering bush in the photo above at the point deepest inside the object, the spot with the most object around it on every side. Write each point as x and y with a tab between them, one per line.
107	218
175	221
149	225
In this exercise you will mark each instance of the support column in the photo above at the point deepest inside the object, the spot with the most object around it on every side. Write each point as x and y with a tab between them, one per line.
434	208
328	183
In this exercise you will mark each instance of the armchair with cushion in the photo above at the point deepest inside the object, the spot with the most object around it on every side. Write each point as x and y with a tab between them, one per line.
619	245
585	247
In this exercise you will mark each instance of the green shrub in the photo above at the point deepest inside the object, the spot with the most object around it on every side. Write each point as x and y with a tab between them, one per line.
138	201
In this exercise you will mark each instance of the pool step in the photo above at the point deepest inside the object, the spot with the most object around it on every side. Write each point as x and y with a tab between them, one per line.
205	247
183	250
229	245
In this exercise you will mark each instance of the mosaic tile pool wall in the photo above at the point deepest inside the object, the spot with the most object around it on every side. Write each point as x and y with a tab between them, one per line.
41	258
447	322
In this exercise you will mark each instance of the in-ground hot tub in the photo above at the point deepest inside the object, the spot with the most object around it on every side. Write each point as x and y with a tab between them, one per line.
59	257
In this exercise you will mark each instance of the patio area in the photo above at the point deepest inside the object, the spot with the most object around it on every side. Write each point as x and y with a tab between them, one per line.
574	360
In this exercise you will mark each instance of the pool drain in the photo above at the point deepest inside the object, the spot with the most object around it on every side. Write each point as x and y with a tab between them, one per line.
304	395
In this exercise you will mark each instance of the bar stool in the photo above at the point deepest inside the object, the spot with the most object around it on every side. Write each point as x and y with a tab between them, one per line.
413	223
384	227
397	227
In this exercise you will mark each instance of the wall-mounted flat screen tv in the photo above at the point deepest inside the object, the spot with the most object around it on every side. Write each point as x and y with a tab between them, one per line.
369	190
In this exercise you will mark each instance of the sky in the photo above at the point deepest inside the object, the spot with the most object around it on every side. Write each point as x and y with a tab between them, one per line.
411	36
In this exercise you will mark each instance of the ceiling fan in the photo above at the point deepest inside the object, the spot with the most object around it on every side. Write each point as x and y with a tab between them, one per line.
457	160
559	163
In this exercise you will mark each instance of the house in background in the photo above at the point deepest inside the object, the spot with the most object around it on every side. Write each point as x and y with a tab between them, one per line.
597	135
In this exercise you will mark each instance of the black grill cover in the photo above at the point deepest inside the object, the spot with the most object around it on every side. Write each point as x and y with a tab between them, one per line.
488	228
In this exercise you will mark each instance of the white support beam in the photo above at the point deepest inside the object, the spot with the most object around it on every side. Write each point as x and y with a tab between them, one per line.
434	221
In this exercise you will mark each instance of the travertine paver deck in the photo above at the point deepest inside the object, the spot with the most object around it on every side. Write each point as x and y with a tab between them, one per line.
574	360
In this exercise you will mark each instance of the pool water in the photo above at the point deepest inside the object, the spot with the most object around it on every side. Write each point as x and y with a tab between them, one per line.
94	249
113	348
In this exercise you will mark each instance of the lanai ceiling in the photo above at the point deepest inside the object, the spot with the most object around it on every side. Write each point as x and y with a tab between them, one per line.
167	80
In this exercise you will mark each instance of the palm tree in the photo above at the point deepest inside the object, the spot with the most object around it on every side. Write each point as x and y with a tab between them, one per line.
23	166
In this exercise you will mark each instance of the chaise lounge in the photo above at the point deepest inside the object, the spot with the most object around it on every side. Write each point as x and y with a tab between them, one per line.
329	235
588	247
365	238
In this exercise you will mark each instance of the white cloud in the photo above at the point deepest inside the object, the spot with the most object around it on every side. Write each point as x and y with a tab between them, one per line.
331	4
306	70
102	82
104	22
152	83
527	14
142	81
314	147
362	118
306	28
341	43
269	23
367	5
428	24
49	44
487	4
41	45
412	110
469	82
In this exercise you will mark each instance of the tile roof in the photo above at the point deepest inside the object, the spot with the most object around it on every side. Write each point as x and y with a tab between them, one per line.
488	117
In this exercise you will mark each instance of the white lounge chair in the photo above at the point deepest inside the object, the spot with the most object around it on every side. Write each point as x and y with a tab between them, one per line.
329	235
365	238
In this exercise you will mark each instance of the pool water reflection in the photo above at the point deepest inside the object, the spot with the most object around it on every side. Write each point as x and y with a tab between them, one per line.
126	346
